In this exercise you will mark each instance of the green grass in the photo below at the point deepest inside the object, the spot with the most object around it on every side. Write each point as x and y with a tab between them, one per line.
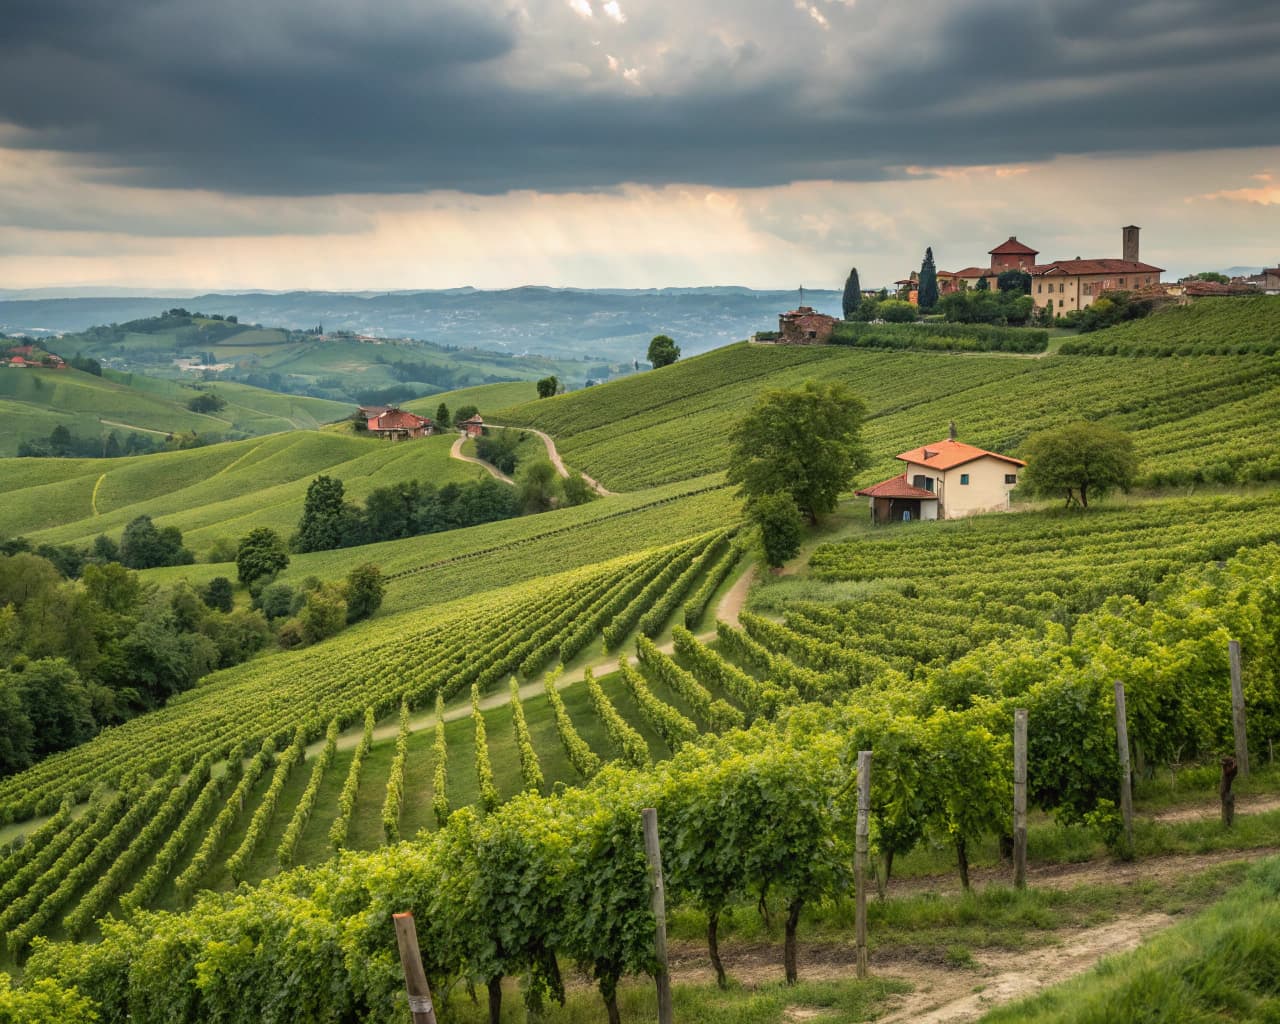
1223	964
215	493
485	397
34	401
832	1002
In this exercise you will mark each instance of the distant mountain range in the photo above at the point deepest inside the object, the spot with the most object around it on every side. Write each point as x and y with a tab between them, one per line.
605	323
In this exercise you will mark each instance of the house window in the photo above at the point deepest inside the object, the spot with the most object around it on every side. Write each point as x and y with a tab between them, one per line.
1011	478
1122	282
964	479
1039	288
1088	289
1062	286
924	482
1059	303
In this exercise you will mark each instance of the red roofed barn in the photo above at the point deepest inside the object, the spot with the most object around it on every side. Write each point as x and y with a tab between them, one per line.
804	326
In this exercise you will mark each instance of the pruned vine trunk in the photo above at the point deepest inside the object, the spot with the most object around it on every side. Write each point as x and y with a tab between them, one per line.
495	999
713	947
609	992
789	946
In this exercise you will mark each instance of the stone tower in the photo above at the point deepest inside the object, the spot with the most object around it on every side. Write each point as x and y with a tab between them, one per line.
1130	251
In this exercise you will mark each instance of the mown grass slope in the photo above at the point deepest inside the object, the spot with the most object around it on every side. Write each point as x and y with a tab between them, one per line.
221	491
34	401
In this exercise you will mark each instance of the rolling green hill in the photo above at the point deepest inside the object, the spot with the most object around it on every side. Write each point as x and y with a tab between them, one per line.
35	401
1192	419
342	366
917	641
1236	325
221	491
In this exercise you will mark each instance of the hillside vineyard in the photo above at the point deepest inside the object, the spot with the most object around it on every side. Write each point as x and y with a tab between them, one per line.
479	752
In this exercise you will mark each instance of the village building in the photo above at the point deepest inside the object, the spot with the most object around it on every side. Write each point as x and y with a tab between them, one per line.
1270	280
804	326
1061	285
945	480
397	425
473	427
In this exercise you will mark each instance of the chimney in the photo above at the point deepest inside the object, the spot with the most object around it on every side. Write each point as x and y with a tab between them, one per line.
952	433
1131	243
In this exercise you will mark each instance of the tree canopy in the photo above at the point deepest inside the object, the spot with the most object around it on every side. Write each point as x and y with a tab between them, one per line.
549	386
927	296
261	554
852	295
806	442
663	351
1079	459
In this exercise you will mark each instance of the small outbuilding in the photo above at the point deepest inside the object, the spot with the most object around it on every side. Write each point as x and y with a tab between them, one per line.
804	326
473	427
895	500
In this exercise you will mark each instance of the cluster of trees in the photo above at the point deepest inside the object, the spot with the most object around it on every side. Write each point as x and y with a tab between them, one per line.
792	455
1108	310
207	402
1010	303
406	509
142	545
548	387
81	655
500	448
62	443
85	643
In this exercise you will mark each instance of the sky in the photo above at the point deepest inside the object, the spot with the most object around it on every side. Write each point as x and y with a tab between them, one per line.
399	144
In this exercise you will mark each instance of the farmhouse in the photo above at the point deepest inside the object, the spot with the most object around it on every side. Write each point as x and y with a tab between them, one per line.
803	326
473	427
396	425
1061	285
945	480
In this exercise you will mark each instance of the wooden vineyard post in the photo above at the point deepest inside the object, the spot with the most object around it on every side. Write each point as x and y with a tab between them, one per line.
860	859
415	978
1237	710
1020	798
1126	781
658	901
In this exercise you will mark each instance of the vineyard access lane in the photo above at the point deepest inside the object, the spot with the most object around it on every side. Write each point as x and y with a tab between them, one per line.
728	608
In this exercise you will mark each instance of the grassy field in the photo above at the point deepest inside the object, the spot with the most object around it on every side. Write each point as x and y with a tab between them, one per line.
214	493
34	401
485	397
1192	419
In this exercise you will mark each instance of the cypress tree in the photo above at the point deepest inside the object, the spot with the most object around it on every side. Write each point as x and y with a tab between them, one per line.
928	281
852	294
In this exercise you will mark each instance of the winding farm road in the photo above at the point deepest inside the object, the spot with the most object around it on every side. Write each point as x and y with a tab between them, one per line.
456	453
556	461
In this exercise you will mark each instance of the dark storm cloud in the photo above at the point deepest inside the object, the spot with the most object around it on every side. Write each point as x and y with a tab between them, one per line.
292	98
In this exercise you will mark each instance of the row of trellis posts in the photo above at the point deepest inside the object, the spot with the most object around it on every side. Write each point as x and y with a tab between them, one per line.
423	1012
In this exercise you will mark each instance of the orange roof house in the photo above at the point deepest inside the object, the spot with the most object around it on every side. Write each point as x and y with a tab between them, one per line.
945	480
473	427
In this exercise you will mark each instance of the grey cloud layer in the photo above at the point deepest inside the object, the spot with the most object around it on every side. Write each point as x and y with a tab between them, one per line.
296	97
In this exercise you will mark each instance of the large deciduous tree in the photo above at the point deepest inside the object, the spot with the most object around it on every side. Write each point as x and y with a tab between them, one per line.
927	296
852	295
1080	460
806	442
261	554
663	351
548	387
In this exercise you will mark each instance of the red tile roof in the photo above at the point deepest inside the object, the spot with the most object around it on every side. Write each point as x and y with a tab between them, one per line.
395	419
948	454
1013	248
1096	267
975	272
896	487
